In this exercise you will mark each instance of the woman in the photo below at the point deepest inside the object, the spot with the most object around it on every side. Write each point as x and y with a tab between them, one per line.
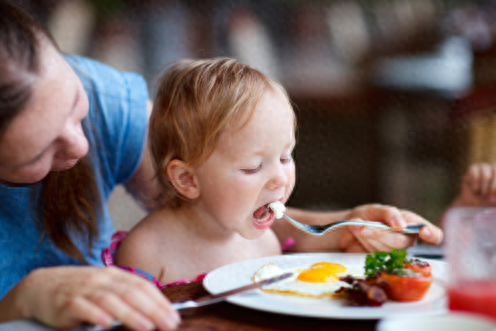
70	130
52	120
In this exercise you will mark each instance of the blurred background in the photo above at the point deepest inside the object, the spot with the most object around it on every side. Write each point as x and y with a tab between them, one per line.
394	98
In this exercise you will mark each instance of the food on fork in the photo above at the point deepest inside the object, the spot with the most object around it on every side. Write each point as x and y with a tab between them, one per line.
278	208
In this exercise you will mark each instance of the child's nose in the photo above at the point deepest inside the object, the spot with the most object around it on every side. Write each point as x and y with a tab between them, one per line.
278	179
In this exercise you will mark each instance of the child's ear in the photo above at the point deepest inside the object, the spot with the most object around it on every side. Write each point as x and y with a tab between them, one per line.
182	177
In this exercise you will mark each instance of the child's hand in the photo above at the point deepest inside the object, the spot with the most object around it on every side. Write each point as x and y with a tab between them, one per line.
364	239
478	187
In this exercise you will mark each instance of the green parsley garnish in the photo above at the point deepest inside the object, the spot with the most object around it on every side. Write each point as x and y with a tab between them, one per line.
390	262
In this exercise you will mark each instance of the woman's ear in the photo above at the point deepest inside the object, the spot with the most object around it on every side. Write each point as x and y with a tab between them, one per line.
182	177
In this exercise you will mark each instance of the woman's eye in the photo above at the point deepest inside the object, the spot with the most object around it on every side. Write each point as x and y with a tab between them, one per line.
253	170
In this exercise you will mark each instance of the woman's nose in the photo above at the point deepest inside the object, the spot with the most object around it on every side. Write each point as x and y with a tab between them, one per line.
278	179
75	144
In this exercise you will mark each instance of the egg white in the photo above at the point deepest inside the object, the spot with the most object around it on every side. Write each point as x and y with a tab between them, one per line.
278	208
293	286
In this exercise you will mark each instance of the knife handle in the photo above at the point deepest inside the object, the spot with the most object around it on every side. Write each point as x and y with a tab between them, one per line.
184	305
195	304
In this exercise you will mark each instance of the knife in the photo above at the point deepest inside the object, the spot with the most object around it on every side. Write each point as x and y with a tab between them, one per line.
208	299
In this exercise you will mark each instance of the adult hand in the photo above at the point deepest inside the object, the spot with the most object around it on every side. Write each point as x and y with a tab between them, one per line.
364	239
478	187
63	297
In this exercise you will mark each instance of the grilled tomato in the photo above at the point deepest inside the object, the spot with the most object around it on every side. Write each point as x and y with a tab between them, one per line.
407	287
402	279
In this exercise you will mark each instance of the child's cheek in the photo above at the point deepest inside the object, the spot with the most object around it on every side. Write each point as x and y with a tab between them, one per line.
290	186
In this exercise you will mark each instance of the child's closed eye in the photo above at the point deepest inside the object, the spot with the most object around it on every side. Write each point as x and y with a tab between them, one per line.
252	170
287	159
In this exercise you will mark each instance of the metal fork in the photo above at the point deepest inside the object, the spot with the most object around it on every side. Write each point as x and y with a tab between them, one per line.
318	230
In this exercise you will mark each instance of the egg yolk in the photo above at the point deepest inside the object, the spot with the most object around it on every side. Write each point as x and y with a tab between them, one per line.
321	272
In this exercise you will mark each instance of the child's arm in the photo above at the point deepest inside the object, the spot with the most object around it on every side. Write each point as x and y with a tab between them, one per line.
356	238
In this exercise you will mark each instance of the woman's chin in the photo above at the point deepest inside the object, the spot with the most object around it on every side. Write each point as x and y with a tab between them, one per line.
64	165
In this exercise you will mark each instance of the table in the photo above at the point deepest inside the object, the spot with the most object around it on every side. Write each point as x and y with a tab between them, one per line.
225	316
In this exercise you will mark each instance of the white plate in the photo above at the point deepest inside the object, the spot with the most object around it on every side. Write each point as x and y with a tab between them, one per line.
240	273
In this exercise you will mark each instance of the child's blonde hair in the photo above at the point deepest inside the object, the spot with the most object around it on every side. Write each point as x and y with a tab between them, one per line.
196	101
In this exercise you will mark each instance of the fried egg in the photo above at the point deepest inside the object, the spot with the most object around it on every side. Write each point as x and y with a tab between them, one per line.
320	280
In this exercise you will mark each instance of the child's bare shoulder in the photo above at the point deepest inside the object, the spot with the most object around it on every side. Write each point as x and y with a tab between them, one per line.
140	246
150	229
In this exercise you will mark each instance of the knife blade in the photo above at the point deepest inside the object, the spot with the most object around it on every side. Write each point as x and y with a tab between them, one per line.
208	299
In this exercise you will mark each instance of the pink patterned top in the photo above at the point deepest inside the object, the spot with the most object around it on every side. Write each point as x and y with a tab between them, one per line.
108	261
117	237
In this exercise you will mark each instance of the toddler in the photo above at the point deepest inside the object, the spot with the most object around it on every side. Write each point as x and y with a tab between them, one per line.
222	136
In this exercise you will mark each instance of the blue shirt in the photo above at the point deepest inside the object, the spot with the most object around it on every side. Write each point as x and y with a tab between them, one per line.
116	130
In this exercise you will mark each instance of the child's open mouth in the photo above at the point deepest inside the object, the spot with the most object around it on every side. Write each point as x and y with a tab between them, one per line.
263	217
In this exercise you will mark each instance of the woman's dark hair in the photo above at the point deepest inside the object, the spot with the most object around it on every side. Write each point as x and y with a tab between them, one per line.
70	200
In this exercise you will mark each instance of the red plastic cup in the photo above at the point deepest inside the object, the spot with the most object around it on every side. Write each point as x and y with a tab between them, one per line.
471	253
